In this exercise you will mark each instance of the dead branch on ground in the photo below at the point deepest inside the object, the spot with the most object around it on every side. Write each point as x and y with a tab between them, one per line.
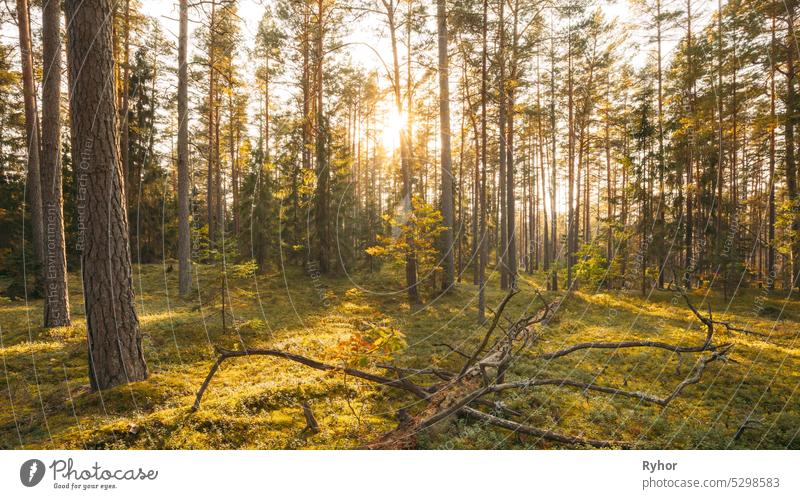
460	392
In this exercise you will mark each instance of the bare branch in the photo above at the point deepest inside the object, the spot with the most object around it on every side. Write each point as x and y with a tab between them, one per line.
694	378
224	354
545	434
488	335
625	344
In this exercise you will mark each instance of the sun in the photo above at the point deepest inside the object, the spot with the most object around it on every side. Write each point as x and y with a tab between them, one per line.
394	123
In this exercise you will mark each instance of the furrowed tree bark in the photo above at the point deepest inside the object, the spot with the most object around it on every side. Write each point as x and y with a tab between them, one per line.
446	160
125	125
56	302
33	179
115	341
184	230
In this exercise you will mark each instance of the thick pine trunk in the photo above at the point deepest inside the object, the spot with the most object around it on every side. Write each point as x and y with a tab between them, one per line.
115	341
446	160
184	230
56	302
125	126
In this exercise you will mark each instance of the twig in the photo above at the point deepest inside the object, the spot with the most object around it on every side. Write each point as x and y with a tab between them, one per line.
709	321
697	373
452	349
749	424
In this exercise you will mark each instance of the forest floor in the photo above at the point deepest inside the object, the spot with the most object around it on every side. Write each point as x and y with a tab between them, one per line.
45	400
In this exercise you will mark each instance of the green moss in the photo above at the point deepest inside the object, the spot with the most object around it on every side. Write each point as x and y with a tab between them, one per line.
45	400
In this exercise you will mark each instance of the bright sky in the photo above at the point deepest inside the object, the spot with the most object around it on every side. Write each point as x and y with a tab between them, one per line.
251	12
639	46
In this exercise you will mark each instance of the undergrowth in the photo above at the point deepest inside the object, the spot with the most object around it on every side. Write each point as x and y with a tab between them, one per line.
45	400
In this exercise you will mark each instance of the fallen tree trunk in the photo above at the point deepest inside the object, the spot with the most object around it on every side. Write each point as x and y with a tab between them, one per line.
484	374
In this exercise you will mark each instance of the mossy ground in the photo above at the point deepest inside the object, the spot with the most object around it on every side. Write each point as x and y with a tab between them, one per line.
45	400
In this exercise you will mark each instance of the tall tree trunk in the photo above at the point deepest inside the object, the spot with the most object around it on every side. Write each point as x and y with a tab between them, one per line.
124	126
510	205
609	193
461	234
540	143
232	147
476	179
33	184
322	239
772	126
184	230
56	302
502	104
661	197
570	161
219	199
720	153
689	242
411	259
484	256
553	163
305	84
211	198
115	341
789	125
405	145
446	161
267	97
